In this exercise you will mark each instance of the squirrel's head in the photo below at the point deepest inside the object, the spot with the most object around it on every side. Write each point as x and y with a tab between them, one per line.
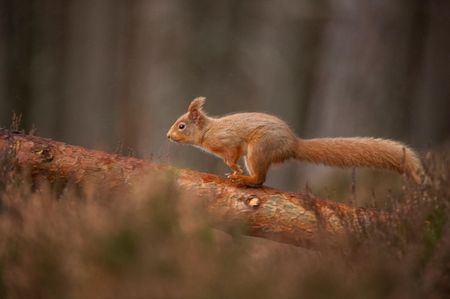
189	127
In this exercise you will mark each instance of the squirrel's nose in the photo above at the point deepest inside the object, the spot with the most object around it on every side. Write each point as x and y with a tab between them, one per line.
168	136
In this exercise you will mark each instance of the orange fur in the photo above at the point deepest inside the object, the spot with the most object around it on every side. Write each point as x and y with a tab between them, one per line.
361	152
265	139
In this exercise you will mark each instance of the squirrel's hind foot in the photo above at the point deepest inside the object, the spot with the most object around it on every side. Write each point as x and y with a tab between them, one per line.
249	181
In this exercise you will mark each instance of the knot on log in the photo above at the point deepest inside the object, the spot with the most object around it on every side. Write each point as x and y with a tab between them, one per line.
253	201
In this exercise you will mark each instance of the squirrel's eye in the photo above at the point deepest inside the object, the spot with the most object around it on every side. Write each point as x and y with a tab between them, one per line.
181	126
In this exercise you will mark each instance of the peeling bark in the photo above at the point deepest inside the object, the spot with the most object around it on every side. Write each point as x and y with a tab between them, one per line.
294	218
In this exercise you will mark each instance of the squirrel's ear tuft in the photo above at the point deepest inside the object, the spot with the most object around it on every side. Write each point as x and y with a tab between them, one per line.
195	108
197	104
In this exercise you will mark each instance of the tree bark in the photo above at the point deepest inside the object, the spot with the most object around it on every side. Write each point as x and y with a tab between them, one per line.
294	218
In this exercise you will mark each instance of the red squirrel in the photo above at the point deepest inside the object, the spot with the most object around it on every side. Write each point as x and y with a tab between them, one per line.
265	139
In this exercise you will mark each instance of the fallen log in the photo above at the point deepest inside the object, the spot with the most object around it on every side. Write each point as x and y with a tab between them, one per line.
294	218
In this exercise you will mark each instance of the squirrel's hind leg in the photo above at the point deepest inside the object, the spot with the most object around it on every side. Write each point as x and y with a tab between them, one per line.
257	166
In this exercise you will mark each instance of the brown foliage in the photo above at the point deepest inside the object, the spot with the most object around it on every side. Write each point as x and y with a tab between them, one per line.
154	240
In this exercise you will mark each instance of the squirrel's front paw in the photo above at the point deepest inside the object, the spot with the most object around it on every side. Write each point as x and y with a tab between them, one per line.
233	177
233	174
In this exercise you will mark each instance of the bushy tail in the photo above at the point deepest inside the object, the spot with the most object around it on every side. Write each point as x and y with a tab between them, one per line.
361	152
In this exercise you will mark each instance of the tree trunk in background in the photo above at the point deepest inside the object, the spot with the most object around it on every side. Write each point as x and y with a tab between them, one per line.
156	73
17	20
364	71
89	89
370	74
49	68
432	113
4	103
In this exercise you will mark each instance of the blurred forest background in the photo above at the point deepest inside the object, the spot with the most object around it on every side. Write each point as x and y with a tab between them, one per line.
114	75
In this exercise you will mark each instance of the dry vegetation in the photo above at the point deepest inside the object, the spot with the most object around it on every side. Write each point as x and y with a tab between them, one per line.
153	242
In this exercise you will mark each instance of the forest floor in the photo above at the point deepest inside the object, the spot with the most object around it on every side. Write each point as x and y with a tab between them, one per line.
154	243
